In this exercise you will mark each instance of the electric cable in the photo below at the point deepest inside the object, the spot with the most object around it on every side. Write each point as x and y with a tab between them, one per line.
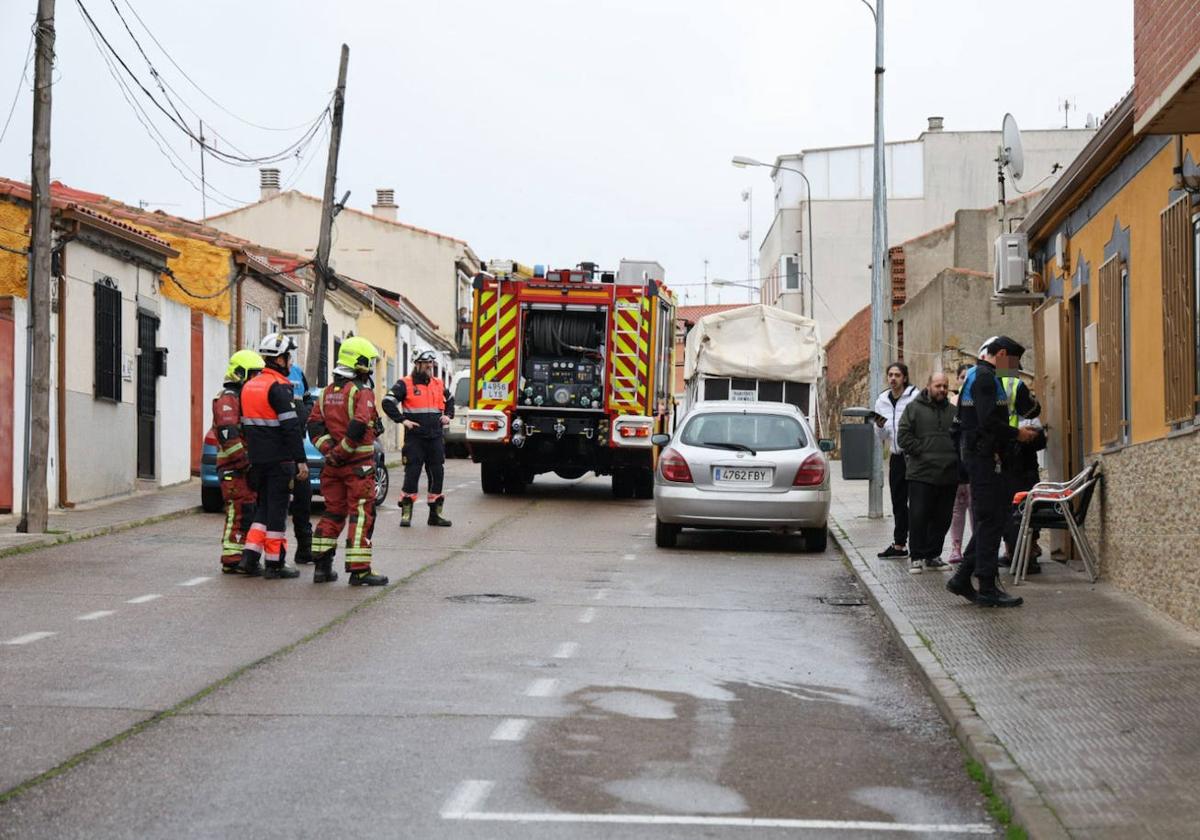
20	83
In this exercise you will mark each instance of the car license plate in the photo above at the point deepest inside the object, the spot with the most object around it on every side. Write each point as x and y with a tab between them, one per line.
743	475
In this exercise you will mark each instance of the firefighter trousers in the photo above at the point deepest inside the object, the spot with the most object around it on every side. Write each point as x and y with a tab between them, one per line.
301	511
239	512
349	493
429	453
272	483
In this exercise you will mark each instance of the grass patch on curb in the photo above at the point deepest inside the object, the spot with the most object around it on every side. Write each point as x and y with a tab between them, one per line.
994	804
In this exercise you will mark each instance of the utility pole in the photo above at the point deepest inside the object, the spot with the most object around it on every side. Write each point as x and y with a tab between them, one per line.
36	501
880	278
327	212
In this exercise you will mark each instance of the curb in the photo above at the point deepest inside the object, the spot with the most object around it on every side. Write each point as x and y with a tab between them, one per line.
1029	809
51	540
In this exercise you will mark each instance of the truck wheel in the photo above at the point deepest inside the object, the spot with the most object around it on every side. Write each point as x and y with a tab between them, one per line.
665	534
815	539
643	484
514	484
210	499
622	485
491	477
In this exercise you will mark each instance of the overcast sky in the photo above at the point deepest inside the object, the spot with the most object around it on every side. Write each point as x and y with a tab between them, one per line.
557	131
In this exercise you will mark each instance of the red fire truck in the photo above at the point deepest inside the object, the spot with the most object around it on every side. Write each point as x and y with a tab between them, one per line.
571	372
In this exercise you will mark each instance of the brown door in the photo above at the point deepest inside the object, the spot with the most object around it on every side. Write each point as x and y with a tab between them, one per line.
7	383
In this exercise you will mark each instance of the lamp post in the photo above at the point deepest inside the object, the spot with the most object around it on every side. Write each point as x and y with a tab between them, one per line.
742	162
879	241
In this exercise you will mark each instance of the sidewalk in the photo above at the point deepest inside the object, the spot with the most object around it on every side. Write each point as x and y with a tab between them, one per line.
1082	705
106	517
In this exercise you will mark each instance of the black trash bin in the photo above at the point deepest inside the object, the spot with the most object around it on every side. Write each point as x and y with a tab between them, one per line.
858	443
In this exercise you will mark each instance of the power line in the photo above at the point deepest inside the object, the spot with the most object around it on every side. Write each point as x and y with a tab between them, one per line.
20	83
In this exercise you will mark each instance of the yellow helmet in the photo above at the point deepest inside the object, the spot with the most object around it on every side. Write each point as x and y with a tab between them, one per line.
357	354
242	365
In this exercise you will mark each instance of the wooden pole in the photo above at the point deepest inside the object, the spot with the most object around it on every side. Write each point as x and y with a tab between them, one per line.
321	262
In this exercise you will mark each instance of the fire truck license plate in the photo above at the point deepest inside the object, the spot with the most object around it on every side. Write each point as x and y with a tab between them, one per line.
743	475
495	390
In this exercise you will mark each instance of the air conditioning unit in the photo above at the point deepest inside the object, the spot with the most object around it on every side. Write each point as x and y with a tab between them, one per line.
295	311
1012	260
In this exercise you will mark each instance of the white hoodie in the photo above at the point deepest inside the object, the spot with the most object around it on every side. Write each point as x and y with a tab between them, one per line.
889	434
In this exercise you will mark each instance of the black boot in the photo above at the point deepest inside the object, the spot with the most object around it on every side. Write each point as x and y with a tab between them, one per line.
279	570
303	547
367	577
960	584
249	565
435	514
991	595
323	568
406	506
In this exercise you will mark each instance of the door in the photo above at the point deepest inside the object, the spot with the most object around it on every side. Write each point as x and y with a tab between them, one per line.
147	392
6	404
1078	408
199	427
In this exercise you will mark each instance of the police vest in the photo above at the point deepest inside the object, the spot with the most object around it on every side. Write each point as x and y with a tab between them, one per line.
1010	384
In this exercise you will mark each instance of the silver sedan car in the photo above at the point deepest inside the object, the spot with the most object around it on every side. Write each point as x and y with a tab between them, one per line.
744	466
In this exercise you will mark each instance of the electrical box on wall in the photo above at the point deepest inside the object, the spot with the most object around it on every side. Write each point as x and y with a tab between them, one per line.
160	361
1091	350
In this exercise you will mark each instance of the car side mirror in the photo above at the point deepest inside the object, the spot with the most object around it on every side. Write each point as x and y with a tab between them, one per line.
825	444
660	440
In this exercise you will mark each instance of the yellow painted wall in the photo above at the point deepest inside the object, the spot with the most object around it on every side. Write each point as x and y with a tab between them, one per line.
1138	206
201	267
13	219
382	333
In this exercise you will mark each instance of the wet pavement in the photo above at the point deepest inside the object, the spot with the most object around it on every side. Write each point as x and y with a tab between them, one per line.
715	689
1091	696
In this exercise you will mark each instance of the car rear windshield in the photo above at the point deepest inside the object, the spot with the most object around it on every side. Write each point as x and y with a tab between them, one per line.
760	432
462	392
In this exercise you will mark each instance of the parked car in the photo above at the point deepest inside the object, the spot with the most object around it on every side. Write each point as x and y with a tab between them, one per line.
456	432
743	466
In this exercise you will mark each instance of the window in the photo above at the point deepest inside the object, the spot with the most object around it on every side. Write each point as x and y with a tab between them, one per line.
1111	338
760	432
1180	335
251	326
107	348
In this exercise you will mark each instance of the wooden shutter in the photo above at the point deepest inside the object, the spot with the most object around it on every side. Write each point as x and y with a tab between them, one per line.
1111	364
1179	312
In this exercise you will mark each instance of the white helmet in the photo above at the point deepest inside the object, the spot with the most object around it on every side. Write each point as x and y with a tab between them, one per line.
276	344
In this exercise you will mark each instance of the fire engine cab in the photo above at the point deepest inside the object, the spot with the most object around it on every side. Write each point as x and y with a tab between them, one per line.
571	373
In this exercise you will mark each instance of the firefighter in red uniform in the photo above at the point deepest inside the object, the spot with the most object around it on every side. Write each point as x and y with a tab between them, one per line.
427	409
272	430
233	458
342	425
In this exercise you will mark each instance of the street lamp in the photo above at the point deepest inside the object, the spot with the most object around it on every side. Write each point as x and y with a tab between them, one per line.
742	162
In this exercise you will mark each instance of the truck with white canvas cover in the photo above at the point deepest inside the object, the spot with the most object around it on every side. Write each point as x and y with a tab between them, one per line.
755	353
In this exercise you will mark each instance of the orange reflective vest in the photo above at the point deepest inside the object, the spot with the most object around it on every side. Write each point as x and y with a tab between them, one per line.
270	423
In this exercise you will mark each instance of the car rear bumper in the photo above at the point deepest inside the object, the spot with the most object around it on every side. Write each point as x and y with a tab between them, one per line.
682	504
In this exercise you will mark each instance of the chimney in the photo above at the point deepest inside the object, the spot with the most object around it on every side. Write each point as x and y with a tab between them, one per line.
268	183
935	124
385	204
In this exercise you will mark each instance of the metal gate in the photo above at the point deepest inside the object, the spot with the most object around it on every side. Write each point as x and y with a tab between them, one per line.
147	393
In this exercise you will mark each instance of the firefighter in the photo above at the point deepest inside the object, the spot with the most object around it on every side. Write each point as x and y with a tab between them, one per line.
343	424
233	459
272	430
424	406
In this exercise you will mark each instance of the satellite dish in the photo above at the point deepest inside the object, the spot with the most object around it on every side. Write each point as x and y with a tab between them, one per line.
1011	153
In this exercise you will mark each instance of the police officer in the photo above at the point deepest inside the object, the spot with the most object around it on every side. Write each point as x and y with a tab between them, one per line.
343	425
272	429
1020	462
233	458
985	436
427	409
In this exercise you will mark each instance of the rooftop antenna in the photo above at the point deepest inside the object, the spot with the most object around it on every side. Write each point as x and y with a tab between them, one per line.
1011	157
1066	105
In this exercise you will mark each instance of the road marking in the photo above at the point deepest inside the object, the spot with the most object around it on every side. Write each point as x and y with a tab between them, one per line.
196	581
142	599
512	729
566	650
599	594
469	813
92	616
587	615
29	637
629	557
543	687
468	796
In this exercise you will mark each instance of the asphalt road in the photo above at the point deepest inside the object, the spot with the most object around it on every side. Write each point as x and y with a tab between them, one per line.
620	691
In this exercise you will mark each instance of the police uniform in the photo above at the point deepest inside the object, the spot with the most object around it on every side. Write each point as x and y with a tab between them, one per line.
423	403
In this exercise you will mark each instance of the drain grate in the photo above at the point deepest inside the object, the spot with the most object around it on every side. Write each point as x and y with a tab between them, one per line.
490	598
843	600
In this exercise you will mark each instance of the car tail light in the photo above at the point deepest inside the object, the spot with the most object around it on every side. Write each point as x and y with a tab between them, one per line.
485	425
811	472
674	468
210	438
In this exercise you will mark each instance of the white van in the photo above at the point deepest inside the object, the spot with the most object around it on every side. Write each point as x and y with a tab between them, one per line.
456	432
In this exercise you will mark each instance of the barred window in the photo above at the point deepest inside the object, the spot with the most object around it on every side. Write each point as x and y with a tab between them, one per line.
107	339
1179	293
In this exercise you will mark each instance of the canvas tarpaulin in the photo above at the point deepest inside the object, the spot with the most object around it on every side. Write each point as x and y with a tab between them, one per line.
755	342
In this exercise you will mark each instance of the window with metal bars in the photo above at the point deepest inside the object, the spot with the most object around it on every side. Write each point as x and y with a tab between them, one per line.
1179	291
107	339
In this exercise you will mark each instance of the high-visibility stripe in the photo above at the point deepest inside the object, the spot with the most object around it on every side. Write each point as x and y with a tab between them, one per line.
322	439
261	421
496	346
288	415
323	544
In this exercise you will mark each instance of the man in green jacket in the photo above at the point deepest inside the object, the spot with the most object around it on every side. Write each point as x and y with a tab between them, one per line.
932	467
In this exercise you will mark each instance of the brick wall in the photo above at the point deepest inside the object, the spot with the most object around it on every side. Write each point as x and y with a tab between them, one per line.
847	362
1166	35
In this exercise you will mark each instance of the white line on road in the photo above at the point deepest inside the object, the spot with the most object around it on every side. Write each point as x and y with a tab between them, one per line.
566	650
29	637
587	615
512	729
143	599
468	796
92	616
681	819
629	557
599	594
196	581
543	687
